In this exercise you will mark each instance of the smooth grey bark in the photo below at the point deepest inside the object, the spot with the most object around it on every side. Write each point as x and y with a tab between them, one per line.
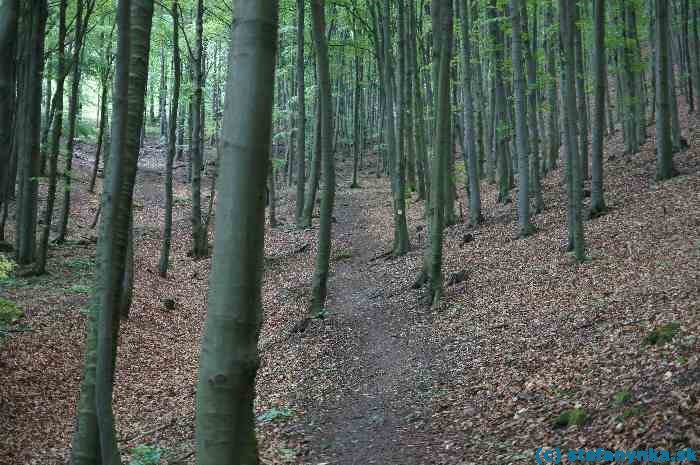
314	172
525	228
400	243
40	267
8	39
28	128
199	235
598	206
301	117
554	135
444	41
357	96
500	122
73	105
225	420
104	80
581	95
319	283
170	157
535	118
422	169
573	172
664	146
471	165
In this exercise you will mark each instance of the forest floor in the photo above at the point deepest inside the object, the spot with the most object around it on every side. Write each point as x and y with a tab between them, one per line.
382	378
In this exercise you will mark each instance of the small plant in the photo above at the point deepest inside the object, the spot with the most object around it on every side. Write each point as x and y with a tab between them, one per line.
6	267
80	264
662	335
322	314
9	312
342	255
287	455
630	412
622	397
275	414
145	454
573	417
79	289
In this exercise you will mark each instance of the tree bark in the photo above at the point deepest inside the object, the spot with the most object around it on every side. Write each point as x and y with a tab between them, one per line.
172	128
400	245
73	105
664	145
320	279
8	38
29	130
525	228
598	206
573	172
225	421
56	130
199	236
301	117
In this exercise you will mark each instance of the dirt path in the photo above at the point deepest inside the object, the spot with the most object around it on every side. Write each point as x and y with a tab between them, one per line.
379	411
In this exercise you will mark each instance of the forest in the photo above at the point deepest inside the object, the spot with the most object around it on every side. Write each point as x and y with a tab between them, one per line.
412	232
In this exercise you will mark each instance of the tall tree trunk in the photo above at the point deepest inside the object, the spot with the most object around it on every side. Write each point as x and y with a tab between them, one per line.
444	30
401	245
422	170
599	68
199	236
101	130
573	172
73	105
55	140
554	138
175	100
301	117
29	128
525	228
320	279
8	38
225	419
500	126
475	216
664	146
581	95
314	172
356	121
533	112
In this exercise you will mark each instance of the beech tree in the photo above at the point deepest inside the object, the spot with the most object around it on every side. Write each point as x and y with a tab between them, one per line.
225	419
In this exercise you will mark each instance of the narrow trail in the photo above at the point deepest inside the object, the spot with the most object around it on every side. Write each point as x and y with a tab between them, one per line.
379	411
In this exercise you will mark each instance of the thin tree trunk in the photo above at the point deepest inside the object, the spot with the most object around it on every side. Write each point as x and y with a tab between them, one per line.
573	173
199	236
664	145
444	42
175	99
533	110
401	245
475	216
301	117
525	228
598	206
320	279
73	105
40	267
